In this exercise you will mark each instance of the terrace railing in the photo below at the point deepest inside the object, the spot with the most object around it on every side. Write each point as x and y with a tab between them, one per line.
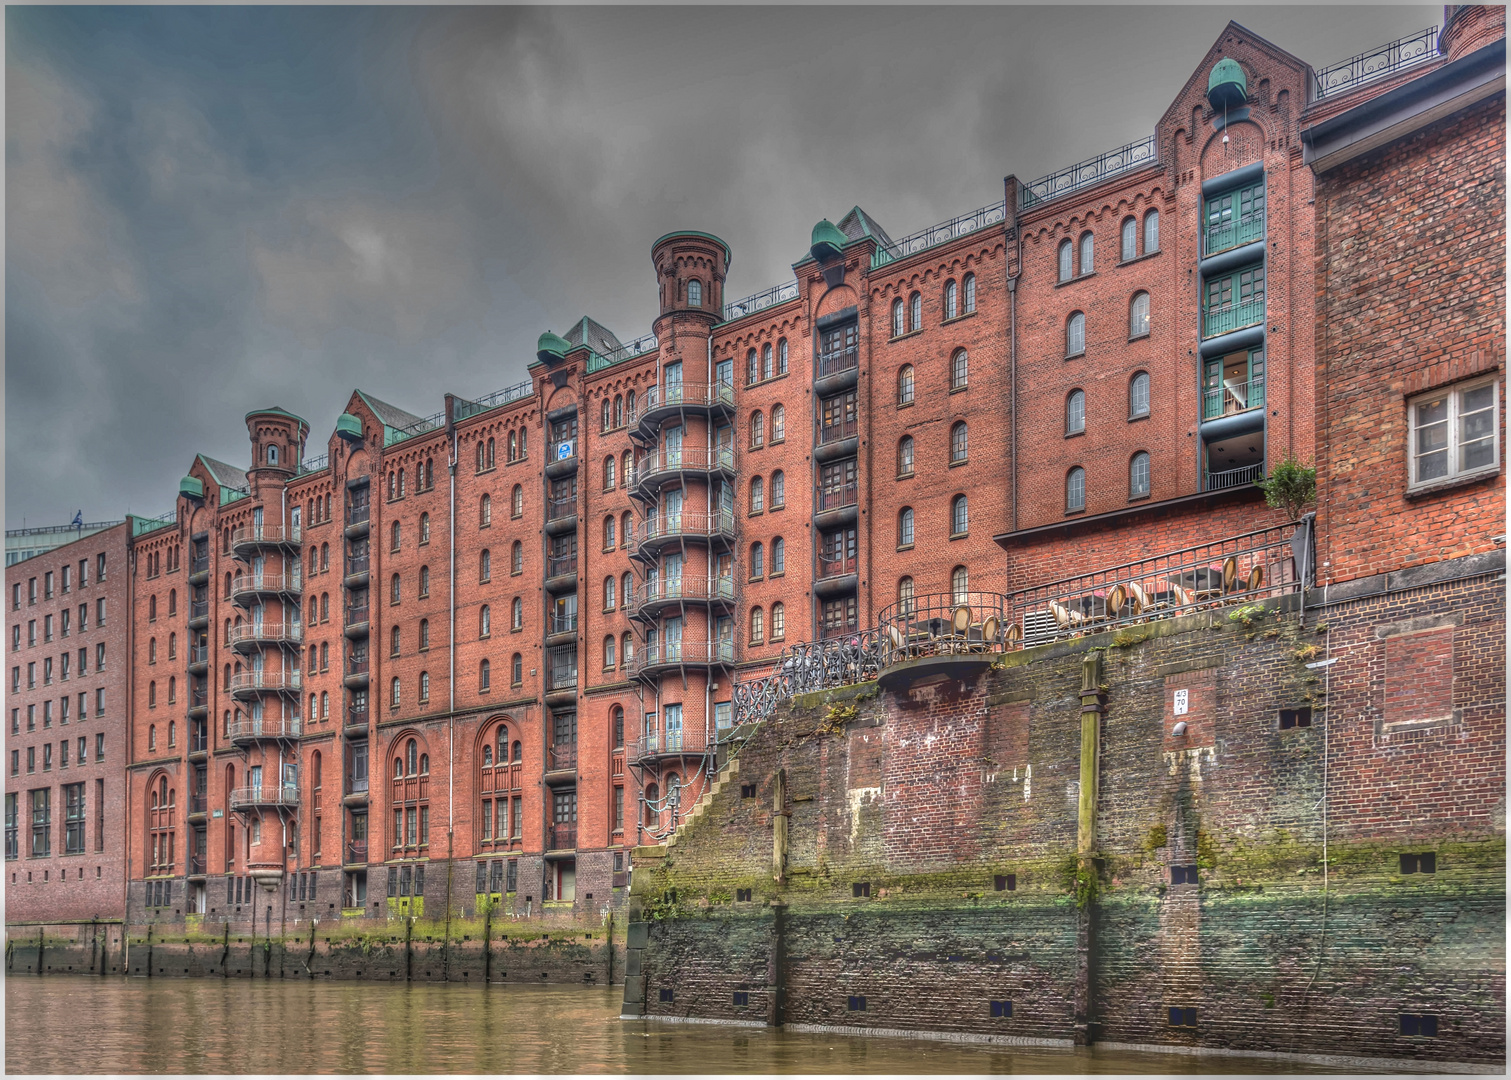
833	498
806	667
1242	476
1234	232
1404	52
945	231
463	409
1085	173
1224	320
638	347
1236	570
777	294
836	361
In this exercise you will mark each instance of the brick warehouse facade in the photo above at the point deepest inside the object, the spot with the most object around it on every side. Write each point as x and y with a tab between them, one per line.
471	657
67	616
1277	828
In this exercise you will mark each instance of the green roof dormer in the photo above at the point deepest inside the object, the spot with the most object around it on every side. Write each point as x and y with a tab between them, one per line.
827	241
192	487
349	427
1227	87
551	347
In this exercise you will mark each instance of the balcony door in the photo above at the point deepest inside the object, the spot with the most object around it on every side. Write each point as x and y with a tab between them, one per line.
673	509
674	446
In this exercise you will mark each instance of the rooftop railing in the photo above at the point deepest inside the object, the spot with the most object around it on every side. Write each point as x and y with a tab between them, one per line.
777	294
141	525
44	530
639	347
942	233
1085	173
313	465
430	423
1404	52
1235	570
499	398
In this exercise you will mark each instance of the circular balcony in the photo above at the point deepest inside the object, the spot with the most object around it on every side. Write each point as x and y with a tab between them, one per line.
661	466
250	538
278	796
246	730
661	530
250	685
951	633
649	749
661	403
246	588
654	597
252	637
652	661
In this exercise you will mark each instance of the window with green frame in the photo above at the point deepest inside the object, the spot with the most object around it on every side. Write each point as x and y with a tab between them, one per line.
1233	384
1234	217
1233	301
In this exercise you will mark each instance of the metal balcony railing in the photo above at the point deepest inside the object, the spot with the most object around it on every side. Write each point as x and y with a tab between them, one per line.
357	564
845	564
837	360
833	498
265	583
562	678
356	851
685	523
943	624
563	837
196	865
688	458
282	795
564	624
1242	476
671	742
557	565
199	564
199	699
1232	233
271	632
199	609
563	449
199	654
690	653
692	395
245	728
357	785
805	667
561	508
265	534
358	513
1238	569
1231	398
288	679
684	588
198	804
845	429
356	716
199	741
561	756
1224	320
357	665
356	615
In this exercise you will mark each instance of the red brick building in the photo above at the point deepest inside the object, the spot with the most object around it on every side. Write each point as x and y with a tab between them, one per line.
474	657
65	792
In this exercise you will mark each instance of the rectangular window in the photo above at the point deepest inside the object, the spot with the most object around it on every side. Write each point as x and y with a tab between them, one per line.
73	819
511	881
1233	302
619	809
99	815
41	822
99	747
12	830
1234	218
1454	433
99	702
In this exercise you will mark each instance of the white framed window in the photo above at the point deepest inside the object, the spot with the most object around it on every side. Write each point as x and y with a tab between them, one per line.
1454	433
1138	475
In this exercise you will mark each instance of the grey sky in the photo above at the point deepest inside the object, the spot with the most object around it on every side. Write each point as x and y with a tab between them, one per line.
215	209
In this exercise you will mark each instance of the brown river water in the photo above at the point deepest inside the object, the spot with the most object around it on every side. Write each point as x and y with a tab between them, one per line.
245	1026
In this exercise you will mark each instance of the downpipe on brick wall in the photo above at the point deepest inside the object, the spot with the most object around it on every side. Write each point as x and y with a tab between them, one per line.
451	705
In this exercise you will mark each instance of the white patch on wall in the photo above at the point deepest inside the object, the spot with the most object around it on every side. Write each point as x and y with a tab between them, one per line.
859	797
1028	781
1193	760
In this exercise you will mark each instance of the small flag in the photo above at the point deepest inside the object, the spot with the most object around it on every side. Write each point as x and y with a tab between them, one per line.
78	520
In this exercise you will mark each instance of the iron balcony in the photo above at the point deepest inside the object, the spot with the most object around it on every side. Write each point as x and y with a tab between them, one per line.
661	403
652	660
248	729
660	466
653	597
660	530
251	637
249	538
274	795
250	685
246	588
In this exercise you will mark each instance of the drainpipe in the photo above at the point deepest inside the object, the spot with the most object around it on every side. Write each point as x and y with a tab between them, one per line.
451	703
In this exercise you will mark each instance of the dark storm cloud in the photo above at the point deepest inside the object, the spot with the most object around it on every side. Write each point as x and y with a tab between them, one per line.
211	209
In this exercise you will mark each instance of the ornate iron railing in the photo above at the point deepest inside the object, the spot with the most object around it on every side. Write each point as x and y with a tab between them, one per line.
943	624
777	294
1085	173
1236	570
684	523
431	423
806	667
945	231
312	465
463	409
639	347
698	395
1393	56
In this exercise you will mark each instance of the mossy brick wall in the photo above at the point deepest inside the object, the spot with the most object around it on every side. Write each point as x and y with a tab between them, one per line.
928	792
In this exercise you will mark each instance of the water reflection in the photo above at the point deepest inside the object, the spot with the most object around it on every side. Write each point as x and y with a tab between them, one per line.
252	1026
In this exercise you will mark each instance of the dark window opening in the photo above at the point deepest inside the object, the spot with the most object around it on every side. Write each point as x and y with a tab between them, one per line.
860	888
1425	862
857	1003
1183	1017
1002	1009
1418	1025
1183	875
1006	882
742	894
666	993
742	997
1294	718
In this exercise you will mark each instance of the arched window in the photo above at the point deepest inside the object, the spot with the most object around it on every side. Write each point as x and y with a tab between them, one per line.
501	740
151	608
905	385
325	655
757	495
1087	248
1129	240
1065	260
401	483
424	764
411	757
1075	412
608	652
604	413
757	625
608	594
172	601
752	368
424	528
608	533
484	675
172	689
695	293
915	312
757	560
626	648
905	456
393	536
960	516
484	512
626	586
778	556
325	607
626	464
1138	475
905	596
608	473
1138	395
325	556
393	692
1151	232
429	474
960	585
757	430
969	286
516	669
960	366
626	528
619	409
152	731
393	642
959	443
398	763
899	318
781	357
778	423
517	755
1075	489
1075	334
652	815
517	614
424	581
393	589
484	622
905	527
778	621
152	650
484	566
951	300
778	489
1138	315
766	371
325	704
424	634
513	450
172	644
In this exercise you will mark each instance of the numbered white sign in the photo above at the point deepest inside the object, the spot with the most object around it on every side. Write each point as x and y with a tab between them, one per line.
1182	699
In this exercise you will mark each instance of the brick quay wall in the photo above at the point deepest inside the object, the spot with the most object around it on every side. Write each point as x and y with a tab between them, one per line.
910	855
